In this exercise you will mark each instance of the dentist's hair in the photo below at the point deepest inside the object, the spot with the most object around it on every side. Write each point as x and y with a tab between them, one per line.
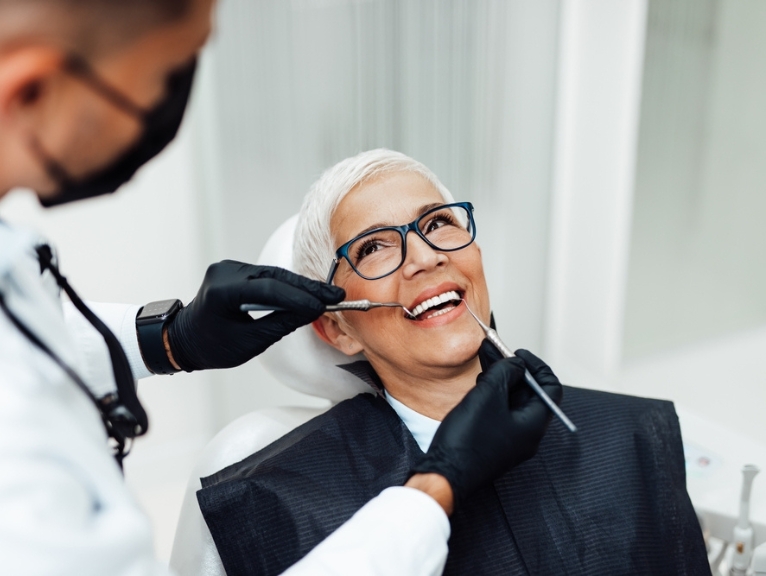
313	246
88	26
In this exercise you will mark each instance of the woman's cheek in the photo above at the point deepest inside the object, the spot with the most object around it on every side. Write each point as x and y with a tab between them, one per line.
354	290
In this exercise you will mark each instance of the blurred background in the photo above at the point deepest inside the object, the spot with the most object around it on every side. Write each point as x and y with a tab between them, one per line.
614	152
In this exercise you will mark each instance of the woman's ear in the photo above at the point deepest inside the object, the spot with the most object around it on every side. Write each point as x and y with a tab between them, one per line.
331	332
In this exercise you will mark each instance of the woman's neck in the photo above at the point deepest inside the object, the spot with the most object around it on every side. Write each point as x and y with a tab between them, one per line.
435	392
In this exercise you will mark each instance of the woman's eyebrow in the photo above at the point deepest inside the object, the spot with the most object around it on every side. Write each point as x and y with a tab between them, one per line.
421	210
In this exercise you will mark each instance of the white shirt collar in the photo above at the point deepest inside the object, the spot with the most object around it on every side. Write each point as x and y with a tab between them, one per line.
16	244
421	427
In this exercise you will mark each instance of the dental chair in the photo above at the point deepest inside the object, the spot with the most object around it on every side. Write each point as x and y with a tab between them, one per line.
194	552
714	454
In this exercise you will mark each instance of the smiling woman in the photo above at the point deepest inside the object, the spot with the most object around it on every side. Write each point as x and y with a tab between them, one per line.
610	499
428	363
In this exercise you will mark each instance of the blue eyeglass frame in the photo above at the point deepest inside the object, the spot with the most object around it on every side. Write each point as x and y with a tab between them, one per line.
404	229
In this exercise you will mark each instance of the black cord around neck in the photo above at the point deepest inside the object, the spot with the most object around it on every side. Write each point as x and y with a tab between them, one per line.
123	376
122	414
120	453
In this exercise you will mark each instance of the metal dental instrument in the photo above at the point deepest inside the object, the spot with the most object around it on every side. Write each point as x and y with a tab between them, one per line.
360	305
507	353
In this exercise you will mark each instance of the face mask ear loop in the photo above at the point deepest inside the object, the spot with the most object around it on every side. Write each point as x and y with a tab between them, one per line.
53	169
79	69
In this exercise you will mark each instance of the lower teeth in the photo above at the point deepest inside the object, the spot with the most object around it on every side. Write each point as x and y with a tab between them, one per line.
439	312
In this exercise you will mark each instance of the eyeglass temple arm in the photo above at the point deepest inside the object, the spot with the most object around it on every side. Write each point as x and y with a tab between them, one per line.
333	268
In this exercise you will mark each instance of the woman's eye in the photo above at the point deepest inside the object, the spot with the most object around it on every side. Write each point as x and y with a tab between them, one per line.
368	247
438	221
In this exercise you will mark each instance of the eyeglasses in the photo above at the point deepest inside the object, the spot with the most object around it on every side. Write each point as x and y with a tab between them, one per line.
382	251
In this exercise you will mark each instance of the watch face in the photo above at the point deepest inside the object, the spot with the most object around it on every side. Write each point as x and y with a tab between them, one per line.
158	309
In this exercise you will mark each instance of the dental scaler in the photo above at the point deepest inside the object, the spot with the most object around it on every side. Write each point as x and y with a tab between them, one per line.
360	305
493	337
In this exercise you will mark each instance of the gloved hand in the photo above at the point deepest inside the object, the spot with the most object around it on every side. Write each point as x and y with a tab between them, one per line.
498	425
212	332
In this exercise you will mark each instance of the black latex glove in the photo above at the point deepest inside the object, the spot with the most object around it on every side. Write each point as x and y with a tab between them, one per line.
212	332
498	425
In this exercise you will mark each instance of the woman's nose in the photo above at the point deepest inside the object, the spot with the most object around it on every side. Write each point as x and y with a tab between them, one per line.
421	257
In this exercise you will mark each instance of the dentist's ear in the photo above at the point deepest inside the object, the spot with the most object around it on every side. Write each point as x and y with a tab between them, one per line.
330	331
26	78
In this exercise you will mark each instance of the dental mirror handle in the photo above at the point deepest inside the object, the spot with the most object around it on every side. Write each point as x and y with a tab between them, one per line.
508	353
363	305
260	308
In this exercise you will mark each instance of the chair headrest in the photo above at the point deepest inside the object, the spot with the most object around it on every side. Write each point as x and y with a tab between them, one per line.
301	360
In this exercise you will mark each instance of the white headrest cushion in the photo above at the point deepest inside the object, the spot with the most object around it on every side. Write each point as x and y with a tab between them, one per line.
301	360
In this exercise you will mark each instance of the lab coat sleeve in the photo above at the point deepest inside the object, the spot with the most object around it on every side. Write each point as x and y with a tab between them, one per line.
402	532
94	356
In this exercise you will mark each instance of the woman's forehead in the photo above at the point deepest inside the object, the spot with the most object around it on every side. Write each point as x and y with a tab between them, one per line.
390	200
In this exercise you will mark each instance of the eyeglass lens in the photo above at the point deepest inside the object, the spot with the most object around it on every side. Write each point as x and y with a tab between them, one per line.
380	252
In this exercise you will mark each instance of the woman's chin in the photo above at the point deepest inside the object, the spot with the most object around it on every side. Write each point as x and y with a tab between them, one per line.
453	352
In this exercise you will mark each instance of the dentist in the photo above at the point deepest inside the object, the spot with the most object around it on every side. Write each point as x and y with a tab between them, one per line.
90	90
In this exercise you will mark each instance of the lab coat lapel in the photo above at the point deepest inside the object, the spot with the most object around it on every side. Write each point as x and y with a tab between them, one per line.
33	297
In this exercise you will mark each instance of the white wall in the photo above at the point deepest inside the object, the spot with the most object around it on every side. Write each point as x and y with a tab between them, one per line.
695	312
598	91
699	240
653	284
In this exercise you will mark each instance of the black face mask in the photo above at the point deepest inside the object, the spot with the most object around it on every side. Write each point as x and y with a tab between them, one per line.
160	126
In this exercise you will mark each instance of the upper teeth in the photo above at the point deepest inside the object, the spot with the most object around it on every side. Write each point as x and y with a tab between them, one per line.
435	301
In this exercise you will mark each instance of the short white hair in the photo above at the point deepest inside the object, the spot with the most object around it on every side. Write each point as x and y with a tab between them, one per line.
313	249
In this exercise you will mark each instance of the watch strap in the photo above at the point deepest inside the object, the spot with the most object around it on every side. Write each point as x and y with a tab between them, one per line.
152	346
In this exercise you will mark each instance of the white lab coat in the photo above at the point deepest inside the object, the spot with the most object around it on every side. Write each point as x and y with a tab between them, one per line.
63	506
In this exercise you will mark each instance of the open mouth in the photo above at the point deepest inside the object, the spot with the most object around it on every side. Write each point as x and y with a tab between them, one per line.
436	306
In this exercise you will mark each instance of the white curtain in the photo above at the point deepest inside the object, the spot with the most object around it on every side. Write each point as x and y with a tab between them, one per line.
465	86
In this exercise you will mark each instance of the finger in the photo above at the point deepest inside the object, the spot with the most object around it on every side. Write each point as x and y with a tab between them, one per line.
273	292
534	410
520	393
542	374
539	369
507	370
506	376
488	354
555	390
327	293
277	325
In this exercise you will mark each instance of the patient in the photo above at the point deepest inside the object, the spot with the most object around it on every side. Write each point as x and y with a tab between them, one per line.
610	499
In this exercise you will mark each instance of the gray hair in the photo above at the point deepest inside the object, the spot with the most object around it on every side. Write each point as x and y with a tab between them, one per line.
313	249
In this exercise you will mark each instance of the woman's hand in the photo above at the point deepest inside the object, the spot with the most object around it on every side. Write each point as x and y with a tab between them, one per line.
497	426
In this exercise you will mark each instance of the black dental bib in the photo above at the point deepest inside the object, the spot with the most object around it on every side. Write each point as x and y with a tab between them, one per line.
608	500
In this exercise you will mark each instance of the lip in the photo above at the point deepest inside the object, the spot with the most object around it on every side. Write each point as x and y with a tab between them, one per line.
435	291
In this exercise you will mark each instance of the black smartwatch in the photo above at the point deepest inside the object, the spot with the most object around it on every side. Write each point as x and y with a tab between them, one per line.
150	322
